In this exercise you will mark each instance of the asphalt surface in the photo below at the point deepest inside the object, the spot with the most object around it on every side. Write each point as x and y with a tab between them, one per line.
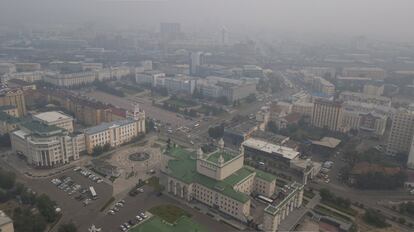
145	201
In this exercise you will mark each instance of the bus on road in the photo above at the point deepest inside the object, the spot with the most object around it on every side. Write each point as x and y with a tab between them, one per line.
93	193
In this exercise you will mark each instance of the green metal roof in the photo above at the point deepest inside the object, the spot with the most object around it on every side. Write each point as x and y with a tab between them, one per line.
41	129
183	167
265	176
215	156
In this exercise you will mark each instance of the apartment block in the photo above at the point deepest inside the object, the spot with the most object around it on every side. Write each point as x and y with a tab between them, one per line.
402	131
327	114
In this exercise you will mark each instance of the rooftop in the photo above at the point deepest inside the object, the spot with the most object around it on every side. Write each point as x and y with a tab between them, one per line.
183	167
271	148
52	116
327	142
213	157
106	125
265	176
242	128
278	204
41	129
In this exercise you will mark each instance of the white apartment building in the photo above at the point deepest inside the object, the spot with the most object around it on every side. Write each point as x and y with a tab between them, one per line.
231	89
7	68
319	71
410	162
46	146
25	76
373	89
71	79
303	108
55	118
148	77
86	77
115	133
375	73
364	98
402	131
321	85
180	84
366	121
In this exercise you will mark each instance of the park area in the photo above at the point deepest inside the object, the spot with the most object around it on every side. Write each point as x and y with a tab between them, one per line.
169	218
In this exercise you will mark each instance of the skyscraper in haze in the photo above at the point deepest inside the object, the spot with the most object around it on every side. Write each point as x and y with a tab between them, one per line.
196	60
170	31
402	132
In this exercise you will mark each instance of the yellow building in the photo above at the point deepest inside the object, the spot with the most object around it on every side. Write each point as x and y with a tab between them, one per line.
13	97
117	132
8	123
327	114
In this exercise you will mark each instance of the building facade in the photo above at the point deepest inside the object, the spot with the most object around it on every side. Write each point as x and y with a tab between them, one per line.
54	118
327	114
364	98
46	146
402	131
117	132
13	97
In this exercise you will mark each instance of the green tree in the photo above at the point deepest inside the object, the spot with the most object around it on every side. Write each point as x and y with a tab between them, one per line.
375	218
46	207
7	179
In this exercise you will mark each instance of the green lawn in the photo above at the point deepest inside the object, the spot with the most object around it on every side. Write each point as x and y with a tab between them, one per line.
169	213
156	224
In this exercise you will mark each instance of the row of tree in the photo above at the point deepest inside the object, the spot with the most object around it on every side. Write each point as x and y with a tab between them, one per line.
26	219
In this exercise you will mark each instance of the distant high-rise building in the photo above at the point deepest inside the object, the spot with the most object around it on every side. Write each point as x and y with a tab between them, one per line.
402	131
170	30
224	36
13	97
327	114
196	60
410	163
374	89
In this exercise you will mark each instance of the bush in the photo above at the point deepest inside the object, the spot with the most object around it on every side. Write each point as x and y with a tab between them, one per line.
375	218
46	207
401	220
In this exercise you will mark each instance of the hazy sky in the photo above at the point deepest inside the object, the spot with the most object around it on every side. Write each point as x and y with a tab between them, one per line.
385	19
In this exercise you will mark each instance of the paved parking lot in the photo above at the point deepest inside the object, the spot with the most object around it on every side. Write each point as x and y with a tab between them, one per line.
143	202
72	209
